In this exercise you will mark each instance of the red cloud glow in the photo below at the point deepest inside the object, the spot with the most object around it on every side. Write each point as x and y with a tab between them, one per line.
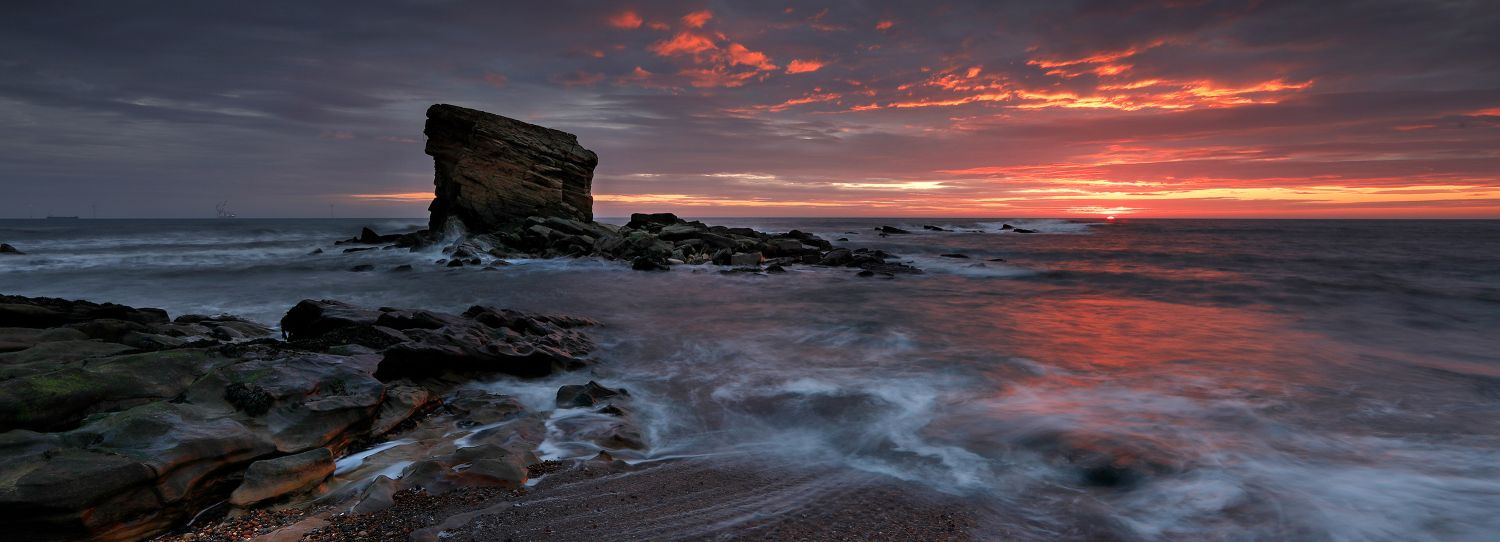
803	66
626	19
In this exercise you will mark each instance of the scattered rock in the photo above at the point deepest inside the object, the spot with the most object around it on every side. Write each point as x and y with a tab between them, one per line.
5	248
954	255
362	268
1023	230
890	230
930	227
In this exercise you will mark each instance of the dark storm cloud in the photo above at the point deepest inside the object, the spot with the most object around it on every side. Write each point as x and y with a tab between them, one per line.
162	108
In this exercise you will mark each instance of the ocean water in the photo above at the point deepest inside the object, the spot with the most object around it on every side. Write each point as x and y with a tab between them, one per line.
1135	380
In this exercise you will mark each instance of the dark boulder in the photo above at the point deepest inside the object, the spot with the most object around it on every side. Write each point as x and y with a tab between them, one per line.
643	263
890	230
586	395
312	318
651	221
7	249
488	340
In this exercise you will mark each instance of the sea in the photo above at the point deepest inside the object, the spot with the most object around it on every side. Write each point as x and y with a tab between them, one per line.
1131	379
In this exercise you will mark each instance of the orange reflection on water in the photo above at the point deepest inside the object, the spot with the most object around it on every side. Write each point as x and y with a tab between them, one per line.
1127	337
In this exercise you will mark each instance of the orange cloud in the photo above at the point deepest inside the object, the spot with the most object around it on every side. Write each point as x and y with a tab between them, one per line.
740	55
716	77
626	19
885	25
783	106
495	79
684	43
803	66
1095	58
697	19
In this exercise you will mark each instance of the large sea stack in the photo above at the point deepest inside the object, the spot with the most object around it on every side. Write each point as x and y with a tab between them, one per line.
523	191
493	171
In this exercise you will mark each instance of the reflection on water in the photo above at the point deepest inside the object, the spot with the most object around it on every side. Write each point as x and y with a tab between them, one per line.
1222	380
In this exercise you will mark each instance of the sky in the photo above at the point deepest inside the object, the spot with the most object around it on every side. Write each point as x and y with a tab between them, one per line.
941	108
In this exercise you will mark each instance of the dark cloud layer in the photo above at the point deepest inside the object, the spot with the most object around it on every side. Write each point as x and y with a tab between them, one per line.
1174	108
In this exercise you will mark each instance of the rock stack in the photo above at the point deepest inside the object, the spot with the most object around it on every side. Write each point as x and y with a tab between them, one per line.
523	191
492	170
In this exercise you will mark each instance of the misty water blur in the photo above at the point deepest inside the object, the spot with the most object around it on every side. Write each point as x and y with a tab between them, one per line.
1213	379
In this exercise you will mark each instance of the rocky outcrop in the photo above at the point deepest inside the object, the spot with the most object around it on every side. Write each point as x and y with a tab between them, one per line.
5	248
104	436
492	171
520	190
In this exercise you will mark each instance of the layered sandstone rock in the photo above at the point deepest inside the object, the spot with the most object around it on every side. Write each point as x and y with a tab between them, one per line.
104	439
492	170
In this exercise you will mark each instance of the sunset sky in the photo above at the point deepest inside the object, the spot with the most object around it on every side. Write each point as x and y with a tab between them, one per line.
938	108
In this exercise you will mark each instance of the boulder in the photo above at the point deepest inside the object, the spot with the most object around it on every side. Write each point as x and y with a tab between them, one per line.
644	263
272	478
745	260
651	221
586	395
492	170
488	340
5	248
310	319
401	402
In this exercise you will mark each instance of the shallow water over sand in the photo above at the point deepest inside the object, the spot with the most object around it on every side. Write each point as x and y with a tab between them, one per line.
1234	380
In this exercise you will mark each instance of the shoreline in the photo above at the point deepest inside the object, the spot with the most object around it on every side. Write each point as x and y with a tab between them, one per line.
602	500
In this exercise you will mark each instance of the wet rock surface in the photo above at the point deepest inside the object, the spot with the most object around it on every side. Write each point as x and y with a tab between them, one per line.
106	436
